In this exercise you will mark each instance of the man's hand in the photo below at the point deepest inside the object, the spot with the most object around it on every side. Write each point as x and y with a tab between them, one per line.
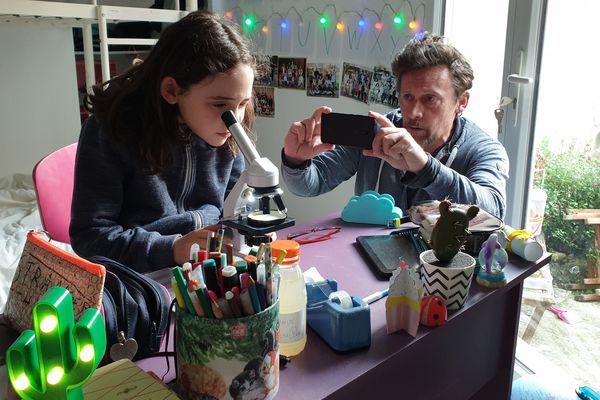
303	140
396	146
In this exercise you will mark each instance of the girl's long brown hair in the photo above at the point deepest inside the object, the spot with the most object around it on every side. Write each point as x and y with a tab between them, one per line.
130	107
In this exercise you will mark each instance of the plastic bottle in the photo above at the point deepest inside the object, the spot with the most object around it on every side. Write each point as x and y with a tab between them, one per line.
292	298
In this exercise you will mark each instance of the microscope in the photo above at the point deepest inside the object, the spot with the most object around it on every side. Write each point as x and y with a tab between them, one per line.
247	208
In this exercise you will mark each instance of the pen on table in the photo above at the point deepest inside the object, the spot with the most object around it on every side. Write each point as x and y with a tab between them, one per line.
587	393
376	296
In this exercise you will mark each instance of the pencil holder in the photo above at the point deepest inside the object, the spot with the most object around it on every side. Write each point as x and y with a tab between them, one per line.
236	358
343	328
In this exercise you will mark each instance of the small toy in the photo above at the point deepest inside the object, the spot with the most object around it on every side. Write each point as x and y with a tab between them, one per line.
450	231
371	208
433	311
493	259
569	317
403	305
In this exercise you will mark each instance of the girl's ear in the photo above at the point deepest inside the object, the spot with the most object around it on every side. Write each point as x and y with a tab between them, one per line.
169	89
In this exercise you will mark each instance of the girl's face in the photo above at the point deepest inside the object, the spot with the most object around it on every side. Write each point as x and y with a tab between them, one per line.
201	105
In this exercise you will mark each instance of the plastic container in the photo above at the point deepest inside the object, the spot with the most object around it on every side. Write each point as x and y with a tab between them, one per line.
535	211
292	299
343	329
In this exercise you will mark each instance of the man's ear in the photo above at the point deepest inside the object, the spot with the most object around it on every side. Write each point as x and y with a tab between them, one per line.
463	100
169	89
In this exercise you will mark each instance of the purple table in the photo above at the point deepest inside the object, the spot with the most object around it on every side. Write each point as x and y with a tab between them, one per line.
471	356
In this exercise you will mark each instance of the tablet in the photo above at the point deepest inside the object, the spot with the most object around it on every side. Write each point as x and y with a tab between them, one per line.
384	252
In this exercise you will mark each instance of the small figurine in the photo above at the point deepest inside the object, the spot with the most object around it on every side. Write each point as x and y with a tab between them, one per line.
403	305
433	311
450	231
493	259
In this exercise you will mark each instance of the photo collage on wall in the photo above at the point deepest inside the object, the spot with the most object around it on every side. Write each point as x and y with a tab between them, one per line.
377	85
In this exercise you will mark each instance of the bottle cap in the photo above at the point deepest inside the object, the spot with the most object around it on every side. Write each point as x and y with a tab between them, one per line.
291	247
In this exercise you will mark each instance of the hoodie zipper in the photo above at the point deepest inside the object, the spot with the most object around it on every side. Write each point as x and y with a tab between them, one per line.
188	180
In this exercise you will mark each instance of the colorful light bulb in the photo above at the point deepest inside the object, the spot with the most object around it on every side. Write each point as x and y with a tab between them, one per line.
361	23
284	25
398	19
339	26
378	25
323	20
412	24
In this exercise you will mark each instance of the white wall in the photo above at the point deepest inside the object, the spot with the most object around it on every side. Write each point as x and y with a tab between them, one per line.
39	109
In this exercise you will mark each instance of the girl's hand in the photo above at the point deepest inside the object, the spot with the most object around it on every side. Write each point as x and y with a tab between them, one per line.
303	140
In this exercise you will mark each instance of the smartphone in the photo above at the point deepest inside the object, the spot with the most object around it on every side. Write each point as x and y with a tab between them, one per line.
348	129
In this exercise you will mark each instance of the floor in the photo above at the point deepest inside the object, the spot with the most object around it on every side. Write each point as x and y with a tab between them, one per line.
563	351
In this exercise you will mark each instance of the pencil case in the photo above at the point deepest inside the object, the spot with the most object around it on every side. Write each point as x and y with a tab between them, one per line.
343	329
136	310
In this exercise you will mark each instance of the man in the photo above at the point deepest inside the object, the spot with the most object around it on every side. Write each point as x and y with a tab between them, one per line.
423	151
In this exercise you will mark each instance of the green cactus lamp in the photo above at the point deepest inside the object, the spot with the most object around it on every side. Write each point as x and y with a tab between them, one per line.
54	360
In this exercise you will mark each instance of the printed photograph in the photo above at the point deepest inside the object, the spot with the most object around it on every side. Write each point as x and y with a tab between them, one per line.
383	88
291	73
264	101
356	82
269	76
322	80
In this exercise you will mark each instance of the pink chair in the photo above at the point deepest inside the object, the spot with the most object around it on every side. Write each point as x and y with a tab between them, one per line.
53	178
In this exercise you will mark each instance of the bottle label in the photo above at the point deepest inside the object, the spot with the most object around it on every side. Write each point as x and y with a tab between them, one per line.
292	326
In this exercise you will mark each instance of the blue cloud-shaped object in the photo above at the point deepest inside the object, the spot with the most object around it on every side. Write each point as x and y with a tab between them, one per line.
371	208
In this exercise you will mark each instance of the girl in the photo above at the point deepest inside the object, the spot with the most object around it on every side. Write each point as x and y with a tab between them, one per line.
155	161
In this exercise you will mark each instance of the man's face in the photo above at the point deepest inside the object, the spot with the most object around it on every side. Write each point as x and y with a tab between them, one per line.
428	105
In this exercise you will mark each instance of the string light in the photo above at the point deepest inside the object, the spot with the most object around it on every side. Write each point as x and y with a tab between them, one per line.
398	20
284	25
229	14
249	22
324	20
265	29
412	24
339	26
361	23
378	25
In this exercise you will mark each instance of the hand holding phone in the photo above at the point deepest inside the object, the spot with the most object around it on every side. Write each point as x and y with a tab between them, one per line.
348	129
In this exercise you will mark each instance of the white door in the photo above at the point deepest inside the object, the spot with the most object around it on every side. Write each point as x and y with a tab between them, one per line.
516	110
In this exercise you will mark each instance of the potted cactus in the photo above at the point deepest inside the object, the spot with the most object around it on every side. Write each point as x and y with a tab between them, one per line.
446	271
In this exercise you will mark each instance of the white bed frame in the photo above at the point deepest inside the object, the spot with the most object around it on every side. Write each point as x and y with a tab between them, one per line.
84	16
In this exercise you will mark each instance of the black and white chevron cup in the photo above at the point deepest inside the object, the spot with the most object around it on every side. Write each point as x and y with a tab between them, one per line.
451	283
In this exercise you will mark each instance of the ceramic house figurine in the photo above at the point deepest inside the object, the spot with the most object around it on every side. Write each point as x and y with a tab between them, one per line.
447	271
492	259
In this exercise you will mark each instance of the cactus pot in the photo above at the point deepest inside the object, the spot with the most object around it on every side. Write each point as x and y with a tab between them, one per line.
450	281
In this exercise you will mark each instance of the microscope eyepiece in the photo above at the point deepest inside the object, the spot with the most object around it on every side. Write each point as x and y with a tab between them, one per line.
228	118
